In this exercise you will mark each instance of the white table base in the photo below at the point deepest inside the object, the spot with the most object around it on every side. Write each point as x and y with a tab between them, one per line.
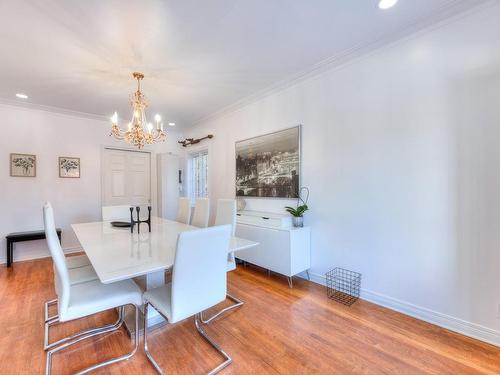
155	320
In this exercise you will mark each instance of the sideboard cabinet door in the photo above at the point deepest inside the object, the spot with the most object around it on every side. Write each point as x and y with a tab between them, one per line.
285	251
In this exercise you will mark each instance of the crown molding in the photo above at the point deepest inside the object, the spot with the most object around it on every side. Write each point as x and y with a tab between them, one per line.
449	13
55	110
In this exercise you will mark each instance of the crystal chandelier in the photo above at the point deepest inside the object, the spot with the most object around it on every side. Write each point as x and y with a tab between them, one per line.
139	132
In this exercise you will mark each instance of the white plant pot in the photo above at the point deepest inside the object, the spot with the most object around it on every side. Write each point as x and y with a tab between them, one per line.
298	222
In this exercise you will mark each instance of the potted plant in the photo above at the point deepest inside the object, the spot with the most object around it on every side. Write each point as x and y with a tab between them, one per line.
299	210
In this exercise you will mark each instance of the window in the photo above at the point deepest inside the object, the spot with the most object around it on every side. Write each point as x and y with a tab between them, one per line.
198	175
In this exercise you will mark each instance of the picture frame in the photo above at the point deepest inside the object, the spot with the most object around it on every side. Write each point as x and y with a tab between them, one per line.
269	165
69	167
22	165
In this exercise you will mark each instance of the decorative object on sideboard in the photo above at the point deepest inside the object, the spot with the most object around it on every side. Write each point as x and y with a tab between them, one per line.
268	166
343	285
139	132
139	221
22	165
240	204
69	167
192	141
300	209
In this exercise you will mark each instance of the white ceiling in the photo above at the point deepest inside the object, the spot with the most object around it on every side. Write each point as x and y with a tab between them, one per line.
198	56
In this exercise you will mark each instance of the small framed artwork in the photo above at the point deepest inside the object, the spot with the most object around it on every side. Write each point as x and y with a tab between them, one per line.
22	165
69	167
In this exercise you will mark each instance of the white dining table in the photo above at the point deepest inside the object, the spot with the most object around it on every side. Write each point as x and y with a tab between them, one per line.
117	254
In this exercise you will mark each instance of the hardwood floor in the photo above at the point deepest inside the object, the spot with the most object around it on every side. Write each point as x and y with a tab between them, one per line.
278	331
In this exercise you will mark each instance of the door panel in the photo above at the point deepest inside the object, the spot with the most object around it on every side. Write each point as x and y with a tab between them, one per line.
137	181
126	177
168	185
272	252
118	184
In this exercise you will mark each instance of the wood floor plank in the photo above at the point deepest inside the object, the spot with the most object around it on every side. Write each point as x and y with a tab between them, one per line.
277	331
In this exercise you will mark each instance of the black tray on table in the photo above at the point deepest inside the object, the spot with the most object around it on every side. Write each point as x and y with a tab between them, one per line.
120	224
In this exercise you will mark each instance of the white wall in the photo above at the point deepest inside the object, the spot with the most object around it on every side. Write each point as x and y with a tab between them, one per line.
49	135
401	154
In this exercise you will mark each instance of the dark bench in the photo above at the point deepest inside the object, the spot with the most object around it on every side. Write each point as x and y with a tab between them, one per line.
24	236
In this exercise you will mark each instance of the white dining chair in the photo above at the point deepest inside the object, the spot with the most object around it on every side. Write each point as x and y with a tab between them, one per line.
76	276
84	273
88	298
112	213
196	285
201	213
184	212
226	214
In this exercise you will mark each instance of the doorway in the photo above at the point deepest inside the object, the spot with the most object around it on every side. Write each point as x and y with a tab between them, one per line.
126	177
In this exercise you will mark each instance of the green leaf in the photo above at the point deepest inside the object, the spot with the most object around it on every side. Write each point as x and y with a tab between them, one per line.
292	211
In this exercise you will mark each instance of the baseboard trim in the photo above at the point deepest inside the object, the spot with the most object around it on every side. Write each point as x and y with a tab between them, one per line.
21	258
463	327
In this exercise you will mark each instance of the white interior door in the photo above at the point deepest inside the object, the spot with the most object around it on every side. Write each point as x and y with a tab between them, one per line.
168	185
126	177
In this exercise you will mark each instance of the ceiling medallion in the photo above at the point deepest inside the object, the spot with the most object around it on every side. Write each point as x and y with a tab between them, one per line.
139	132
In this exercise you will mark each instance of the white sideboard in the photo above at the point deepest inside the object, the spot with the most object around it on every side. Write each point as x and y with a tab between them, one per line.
281	249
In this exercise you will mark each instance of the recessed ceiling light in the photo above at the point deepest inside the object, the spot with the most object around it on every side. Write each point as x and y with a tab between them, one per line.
386	4
22	96
171	123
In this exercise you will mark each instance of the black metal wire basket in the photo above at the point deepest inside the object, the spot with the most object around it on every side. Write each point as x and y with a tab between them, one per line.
343	285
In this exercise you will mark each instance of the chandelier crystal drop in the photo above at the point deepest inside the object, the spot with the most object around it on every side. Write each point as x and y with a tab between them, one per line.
139	131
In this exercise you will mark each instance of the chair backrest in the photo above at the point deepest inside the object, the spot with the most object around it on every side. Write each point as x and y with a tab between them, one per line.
184	213
61	269
199	272
110	213
226	213
201	213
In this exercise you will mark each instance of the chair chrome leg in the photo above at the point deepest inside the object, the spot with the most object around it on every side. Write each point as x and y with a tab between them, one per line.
146	349
97	330
91	333
228	359
47	304
237	303
123	357
197	323
290	281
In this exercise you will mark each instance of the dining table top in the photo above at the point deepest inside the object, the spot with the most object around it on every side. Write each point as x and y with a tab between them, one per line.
117	254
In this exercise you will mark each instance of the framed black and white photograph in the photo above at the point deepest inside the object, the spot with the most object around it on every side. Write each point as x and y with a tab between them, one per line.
69	167
22	165
268	166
